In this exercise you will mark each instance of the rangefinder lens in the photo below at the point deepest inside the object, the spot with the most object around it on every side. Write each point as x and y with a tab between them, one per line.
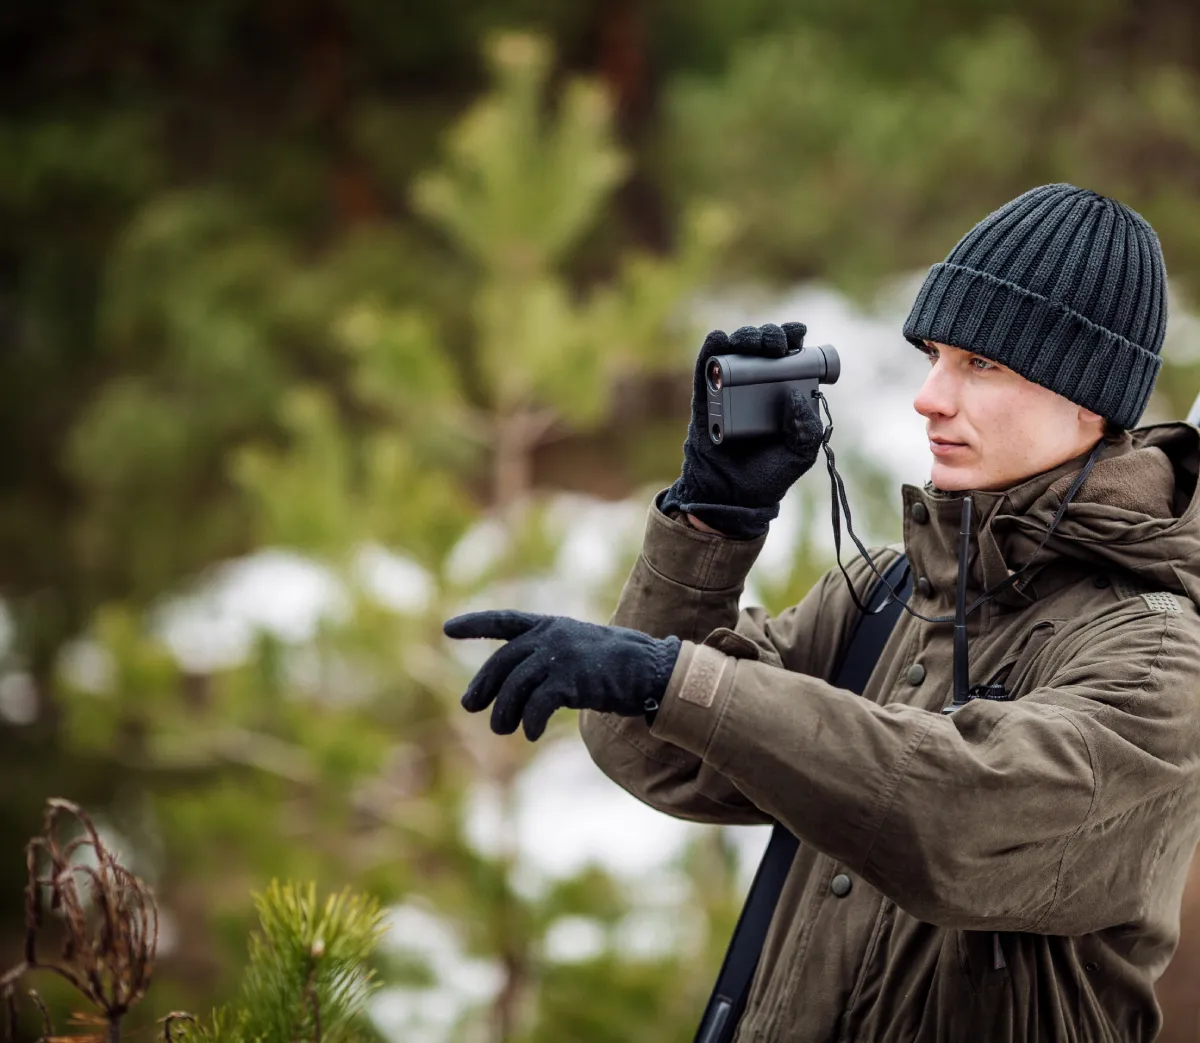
714	375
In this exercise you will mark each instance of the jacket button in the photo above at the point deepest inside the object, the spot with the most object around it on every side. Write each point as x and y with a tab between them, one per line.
916	674
1102	582
924	587
840	885
920	513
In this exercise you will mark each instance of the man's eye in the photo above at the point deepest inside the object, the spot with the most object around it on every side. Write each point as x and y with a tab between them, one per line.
983	364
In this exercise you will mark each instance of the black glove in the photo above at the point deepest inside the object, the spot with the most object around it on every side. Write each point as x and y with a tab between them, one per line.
553	661
736	487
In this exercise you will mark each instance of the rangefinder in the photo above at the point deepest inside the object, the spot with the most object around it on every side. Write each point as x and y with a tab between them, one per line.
748	394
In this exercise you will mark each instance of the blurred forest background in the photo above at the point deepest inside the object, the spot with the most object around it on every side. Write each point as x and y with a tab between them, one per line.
334	285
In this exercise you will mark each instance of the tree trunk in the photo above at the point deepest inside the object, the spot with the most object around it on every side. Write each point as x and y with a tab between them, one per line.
516	436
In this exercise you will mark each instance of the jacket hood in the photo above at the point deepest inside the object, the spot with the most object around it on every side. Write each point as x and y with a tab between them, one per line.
1137	512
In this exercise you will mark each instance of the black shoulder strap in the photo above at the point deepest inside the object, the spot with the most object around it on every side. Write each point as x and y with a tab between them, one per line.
728	998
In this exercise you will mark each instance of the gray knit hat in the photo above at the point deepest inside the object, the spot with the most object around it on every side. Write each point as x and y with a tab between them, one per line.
1064	286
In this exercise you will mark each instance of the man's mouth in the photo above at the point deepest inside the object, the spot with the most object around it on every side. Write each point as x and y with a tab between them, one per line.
944	447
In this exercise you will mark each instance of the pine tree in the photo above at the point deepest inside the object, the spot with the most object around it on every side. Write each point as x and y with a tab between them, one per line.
352	739
308	976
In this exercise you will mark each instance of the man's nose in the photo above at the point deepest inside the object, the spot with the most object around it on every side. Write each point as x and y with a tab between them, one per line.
939	394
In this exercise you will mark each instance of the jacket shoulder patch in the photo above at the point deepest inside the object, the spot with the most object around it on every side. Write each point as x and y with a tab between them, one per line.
1124	587
1162	601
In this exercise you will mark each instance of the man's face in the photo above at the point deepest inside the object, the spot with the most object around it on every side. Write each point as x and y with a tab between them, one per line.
989	428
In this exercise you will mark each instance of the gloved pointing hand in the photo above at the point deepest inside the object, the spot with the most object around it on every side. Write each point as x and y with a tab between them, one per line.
553	661
736	487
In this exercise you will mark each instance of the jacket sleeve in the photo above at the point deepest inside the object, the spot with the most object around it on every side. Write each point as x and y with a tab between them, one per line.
688	583
1050	814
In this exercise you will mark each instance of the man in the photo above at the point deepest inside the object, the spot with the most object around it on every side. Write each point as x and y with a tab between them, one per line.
1010	871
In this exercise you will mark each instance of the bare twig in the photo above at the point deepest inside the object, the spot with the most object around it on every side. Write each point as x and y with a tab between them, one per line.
538	424
10	1014
170	1019
47	1028
10	978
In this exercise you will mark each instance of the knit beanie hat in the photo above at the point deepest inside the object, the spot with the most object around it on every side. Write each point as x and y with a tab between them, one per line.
1064	286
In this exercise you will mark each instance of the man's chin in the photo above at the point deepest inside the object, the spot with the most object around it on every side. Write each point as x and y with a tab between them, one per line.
950	479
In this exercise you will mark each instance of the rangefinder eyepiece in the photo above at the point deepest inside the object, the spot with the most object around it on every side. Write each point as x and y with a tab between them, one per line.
748	395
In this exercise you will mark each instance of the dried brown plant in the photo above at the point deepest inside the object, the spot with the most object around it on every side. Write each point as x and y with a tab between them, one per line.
109	923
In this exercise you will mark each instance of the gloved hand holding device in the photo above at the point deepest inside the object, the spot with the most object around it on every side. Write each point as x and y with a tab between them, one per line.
736	486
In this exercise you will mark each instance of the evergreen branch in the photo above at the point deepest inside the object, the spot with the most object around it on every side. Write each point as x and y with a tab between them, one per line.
318	950
307	977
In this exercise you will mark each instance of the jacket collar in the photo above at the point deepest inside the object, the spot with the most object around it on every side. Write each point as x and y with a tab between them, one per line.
1008	525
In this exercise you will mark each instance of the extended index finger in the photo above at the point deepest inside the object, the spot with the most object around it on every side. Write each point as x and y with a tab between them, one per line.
499	623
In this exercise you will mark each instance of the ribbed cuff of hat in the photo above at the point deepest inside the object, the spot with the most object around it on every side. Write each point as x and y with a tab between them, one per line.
1043	340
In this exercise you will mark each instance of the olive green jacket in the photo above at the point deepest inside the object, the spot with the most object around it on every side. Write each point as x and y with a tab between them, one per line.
1016	868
